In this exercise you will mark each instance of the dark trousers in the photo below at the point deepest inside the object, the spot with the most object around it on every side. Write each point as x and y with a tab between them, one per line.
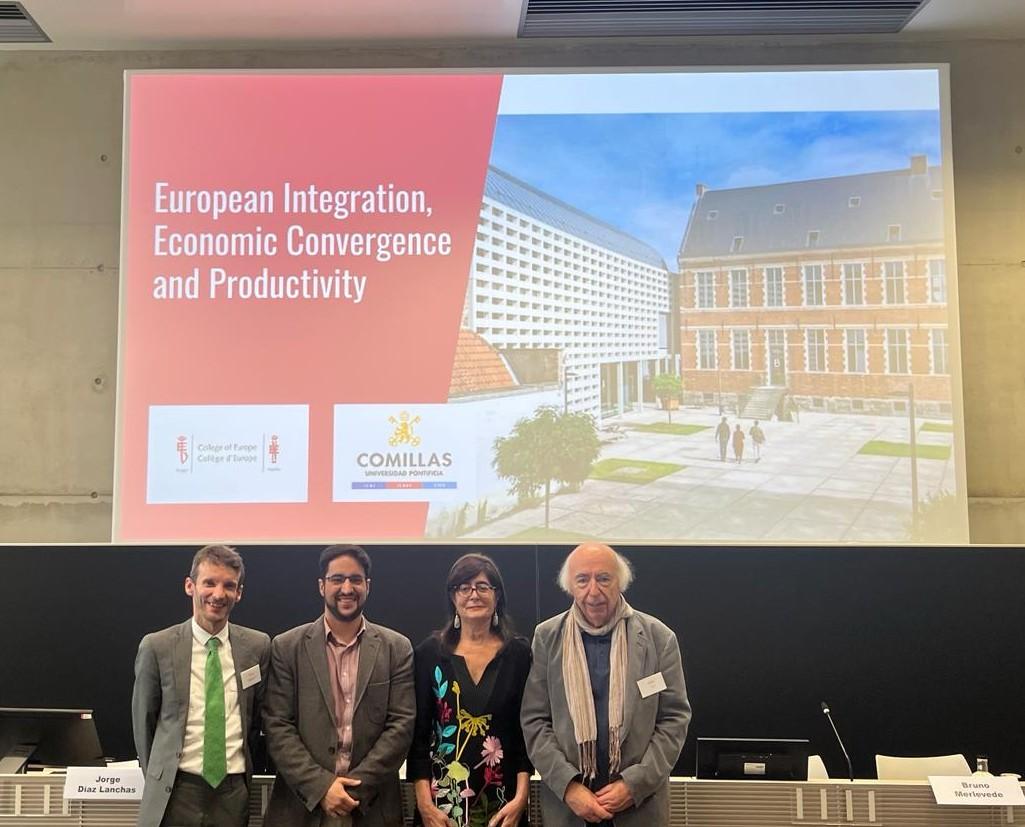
194	803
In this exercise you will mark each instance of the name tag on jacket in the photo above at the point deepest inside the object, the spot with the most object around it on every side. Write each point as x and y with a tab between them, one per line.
651	684
252	676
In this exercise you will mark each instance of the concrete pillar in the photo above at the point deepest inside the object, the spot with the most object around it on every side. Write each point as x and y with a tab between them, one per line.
621	388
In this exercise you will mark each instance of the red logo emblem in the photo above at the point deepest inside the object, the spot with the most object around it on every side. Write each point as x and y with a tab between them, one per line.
183	450
273	449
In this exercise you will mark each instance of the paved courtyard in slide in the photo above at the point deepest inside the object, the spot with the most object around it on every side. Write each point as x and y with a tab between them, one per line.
826	478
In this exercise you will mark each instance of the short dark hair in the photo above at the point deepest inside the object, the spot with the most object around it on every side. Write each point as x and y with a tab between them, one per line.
219	555
357	553
463	571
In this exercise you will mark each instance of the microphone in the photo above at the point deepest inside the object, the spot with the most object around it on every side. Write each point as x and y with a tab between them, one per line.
839	740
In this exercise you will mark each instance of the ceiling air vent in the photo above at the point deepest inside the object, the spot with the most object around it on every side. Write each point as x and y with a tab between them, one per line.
17	26
641	18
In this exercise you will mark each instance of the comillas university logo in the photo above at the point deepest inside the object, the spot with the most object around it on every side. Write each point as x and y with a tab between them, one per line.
403	433
273	449
182	447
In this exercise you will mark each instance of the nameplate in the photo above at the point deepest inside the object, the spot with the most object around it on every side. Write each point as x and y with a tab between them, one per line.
976	791
103	784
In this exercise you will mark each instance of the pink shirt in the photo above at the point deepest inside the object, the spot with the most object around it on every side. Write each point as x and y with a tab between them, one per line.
342	665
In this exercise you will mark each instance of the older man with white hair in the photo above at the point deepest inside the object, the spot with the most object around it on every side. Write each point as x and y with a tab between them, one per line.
605	708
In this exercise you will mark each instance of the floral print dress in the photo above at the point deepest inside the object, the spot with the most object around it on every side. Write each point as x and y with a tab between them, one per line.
467	739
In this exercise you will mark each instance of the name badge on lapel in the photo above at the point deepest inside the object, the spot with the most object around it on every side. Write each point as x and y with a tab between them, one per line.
250	676
651	684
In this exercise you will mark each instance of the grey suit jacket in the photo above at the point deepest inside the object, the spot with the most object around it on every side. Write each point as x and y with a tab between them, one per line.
299	720
655	727
160	704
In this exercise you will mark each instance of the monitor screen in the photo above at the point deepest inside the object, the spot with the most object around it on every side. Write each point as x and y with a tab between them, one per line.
648	306
52	737
752	759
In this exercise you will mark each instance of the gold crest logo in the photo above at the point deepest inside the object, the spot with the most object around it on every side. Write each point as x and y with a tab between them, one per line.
403	433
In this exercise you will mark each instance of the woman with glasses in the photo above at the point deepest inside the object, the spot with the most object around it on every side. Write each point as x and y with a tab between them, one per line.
468	759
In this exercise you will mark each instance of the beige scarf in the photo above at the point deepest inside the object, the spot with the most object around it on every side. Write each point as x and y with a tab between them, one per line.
578	686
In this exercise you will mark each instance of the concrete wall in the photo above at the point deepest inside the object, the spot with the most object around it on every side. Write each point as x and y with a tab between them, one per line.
60	184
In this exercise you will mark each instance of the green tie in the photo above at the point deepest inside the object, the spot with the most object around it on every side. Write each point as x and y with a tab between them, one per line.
215	758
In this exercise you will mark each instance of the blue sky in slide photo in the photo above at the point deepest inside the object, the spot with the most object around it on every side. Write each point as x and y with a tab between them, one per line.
638	171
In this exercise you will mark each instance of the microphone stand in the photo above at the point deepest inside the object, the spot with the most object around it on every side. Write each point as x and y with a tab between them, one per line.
839	740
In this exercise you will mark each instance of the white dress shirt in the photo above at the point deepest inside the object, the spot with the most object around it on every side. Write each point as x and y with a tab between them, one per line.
192	753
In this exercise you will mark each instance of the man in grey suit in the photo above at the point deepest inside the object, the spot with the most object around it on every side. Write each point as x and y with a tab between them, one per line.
605	708
340	708
196	704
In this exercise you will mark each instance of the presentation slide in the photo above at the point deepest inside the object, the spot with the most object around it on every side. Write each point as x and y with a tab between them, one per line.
654	307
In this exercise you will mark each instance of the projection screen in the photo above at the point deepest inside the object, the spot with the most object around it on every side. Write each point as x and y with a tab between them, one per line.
656	307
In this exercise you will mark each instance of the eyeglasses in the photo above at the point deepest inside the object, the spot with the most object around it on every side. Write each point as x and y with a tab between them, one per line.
482	589
604	580
357	580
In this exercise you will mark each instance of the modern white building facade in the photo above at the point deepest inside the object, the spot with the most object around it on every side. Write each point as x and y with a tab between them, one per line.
546	275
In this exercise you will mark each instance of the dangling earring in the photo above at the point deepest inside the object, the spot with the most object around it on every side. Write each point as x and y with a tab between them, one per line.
494	619
456	623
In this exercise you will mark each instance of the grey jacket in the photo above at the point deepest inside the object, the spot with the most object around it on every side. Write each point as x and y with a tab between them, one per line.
299	720
160	705
655	727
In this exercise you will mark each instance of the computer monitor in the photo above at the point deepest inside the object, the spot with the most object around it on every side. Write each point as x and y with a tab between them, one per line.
753	759
55	737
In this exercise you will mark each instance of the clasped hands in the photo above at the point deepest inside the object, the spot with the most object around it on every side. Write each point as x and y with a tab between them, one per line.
594	807
336	800
508	816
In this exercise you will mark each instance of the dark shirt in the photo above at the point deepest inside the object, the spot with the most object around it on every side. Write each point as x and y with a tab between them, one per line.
598	650
469	728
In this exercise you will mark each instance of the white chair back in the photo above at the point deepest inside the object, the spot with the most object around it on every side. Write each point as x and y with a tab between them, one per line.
895	768
817	768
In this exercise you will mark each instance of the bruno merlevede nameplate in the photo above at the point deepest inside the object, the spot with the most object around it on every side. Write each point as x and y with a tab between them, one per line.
976	790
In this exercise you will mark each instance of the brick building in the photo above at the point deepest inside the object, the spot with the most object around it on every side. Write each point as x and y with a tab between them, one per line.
832	291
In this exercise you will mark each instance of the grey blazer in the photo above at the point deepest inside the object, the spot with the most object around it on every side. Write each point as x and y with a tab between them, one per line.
655	727
299	720
160	705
